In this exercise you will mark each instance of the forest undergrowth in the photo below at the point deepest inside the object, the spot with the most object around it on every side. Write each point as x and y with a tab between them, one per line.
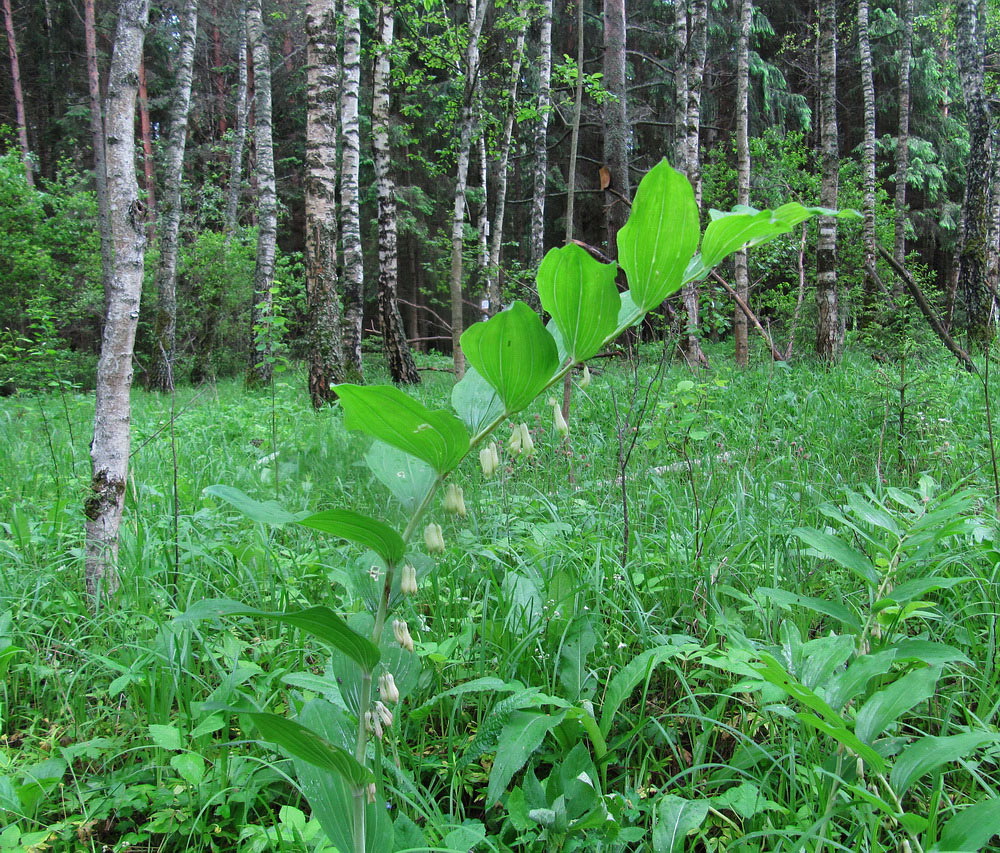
788	641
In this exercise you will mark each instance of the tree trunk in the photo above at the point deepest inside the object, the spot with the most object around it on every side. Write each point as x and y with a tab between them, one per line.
261	359
616	127
97	137
973	284
397	351
540	161
694	72
218	63
477	15
238	142
15	79
903	133
829	337
574	140
680	85
867	161
493	294
148	169
162	376
350	202
741	332
322	98
109	450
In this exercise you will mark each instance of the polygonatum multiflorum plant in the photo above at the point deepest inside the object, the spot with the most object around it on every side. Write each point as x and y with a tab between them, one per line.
514	358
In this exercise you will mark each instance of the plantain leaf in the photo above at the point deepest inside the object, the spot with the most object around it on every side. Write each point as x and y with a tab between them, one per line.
676	818
321	622
386	413
656	244
514	353
266	512
355	527
306	745
580	294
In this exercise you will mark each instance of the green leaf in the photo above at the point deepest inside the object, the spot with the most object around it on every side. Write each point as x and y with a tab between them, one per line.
361	529
676	818
628	677
889	704
826	545
165	737
407	477
852	682
929	753
320	622
580	294
971	829
656	244
844	736
386	413
189	766
476	401
787	600
305	744
514	353
266	512
772	671
485	684
523	734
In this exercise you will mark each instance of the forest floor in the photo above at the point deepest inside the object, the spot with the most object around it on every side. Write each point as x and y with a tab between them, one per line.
774	592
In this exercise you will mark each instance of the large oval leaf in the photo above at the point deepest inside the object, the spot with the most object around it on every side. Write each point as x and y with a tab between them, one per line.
656	244
475	401
514	354
580	294
386	413
321	622
355	527
305	744
266	512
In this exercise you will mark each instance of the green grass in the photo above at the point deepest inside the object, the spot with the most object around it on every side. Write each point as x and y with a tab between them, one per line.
115	724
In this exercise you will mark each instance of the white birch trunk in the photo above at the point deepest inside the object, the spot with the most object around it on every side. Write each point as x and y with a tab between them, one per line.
540	142
828	330
109	450
239	136
868	155
162	378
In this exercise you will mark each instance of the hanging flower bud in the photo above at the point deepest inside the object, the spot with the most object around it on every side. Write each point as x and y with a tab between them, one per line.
401	631
387	688
454	500
489	459
527	445
373	724
383	714
514	444
371	792
562	428
584	377
408	580
434	538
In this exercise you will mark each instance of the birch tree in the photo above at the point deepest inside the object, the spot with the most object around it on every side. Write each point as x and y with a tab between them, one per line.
466	126
397	351
829	337
540	159
109	450
97	139
165	329
616	126
261	367
903	130
239	137
868	154
973	283
350	192
741	272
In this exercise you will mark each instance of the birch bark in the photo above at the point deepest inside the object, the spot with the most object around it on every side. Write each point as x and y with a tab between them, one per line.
867	157
540	141
109	450
397	351
165	328
903	132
